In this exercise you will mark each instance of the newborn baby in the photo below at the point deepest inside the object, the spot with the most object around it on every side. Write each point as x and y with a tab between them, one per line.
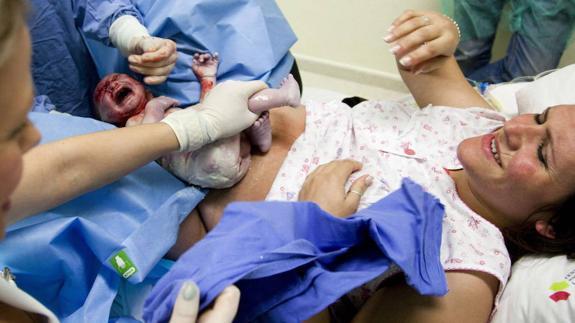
123	101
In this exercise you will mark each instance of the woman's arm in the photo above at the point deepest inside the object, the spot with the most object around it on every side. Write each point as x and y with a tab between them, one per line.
423	43
470	299
445	86
59	171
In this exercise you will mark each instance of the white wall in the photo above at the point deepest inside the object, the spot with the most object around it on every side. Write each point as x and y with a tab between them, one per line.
342	38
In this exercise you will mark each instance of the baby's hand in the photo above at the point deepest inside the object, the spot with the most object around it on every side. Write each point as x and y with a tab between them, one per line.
422	40
154	58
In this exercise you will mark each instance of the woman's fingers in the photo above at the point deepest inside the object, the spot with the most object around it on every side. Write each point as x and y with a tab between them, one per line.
225	307
407	27
356	191
187	304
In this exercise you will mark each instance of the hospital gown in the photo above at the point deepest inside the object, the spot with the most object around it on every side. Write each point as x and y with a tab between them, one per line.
396	140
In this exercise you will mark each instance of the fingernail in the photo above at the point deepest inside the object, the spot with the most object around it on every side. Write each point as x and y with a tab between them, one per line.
392	27
405	61
388	37
394	49
369	180
189	291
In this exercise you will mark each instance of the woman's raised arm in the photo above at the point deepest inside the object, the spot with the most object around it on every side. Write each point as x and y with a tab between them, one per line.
423	43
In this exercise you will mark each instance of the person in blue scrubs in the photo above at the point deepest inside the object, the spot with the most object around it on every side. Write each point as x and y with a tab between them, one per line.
62	66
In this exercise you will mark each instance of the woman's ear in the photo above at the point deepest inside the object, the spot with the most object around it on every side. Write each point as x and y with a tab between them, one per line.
545	229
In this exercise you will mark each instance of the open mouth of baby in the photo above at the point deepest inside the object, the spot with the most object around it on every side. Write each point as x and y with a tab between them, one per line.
122	94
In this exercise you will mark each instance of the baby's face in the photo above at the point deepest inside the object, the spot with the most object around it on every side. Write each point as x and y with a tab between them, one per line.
118	97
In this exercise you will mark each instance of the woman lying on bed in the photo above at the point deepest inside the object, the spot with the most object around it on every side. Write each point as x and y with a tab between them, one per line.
493	175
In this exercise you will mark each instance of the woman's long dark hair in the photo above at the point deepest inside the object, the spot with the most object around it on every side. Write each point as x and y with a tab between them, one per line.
524	239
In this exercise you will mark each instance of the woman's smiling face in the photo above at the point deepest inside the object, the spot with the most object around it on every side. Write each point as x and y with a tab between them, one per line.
525	166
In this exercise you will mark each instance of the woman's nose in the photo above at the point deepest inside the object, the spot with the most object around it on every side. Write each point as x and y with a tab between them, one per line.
519	133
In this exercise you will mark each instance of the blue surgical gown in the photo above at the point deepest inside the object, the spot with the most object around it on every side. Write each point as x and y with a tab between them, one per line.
64	257
72	50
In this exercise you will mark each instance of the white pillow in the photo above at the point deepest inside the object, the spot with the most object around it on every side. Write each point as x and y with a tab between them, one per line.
553	89
541	289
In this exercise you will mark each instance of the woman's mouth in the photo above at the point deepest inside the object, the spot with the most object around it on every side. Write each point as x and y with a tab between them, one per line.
491	149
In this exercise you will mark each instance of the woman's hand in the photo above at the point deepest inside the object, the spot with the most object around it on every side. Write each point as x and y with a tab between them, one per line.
153	57
188	302
326	187
422	40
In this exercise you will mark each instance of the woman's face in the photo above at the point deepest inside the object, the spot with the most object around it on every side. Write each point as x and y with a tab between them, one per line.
17	134
524	166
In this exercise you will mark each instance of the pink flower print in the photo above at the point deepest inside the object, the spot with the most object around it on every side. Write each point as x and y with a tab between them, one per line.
446	119
427	127
473	223
305	168
482	262
364	160
282	189
454	261
315	160
406	149
339	153
463	124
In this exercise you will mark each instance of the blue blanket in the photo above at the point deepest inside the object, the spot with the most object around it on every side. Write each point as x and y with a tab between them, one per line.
291	260
73	258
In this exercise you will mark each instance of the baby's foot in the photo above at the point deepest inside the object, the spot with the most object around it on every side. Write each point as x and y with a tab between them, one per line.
260	133
205	65
290	89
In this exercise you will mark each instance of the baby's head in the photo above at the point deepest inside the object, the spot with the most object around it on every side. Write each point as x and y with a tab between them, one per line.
118	97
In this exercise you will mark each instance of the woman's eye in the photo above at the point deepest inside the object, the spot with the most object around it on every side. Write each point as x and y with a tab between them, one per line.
541	156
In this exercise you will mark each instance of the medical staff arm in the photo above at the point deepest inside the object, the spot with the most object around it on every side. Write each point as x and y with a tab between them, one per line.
59	171
470	299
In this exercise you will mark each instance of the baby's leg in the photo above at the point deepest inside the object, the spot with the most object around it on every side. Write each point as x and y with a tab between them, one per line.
205	67
287	95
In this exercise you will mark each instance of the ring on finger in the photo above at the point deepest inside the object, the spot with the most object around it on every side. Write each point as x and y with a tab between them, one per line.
356	192
426	20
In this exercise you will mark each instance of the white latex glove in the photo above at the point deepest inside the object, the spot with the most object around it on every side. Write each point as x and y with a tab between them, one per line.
186	307
153	57
223	113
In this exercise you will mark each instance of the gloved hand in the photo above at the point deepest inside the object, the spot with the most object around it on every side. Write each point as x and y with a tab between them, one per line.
153	57
223	113
187	304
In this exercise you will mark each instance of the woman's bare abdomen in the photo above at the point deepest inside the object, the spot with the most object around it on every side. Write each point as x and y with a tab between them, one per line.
287	125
